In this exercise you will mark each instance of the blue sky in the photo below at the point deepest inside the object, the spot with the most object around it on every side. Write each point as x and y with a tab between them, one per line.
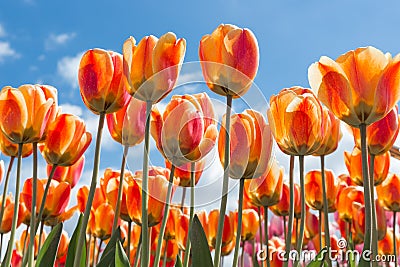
42	41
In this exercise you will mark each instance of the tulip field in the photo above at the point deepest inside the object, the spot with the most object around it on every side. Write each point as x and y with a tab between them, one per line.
285	216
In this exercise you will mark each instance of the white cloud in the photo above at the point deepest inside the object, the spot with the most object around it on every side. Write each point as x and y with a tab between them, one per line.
3	32
67	69
7	51
71	109
55	40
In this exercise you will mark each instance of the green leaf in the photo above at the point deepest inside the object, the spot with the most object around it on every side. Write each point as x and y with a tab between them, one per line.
108	257
178	262
73	243
121	260
3	262
319	259
48	252
201	256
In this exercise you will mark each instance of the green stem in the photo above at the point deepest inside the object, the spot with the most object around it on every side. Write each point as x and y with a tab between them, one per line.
394	238
7	260
239	223
242	256
320	228
165	253
259	227
291	213
374	230
3	200
128	247
138	249
191	215
31	256
145	224
325	207
225	184
284	228
88	251
120	188
367	193
46	191
266	234
165	217
96	163
40	234
183	198
303	208
98	251
1	244
94	251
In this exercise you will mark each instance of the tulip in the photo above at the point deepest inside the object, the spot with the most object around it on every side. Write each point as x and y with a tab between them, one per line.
314	189
312	227
63	245
385	246
353	164
183	172
23	243
127	125
388	192
212	228
229	60
64	216
6	222
24	113
282	207
158	184
152	66
70	174
112	194
11	150
249	224
182	233
347	197
103	220
358	220
266	190
56	201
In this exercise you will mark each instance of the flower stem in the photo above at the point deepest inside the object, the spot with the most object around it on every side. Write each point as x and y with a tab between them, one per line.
191	215
367	193
128	247
165	217
183	198
394	238
96	163
266	234
88	251
239	223
225	183
326	213
259	228
7	260
374	230
46	191
3	200
137	254
94	251
145	224
291	213
303	208
120	188
40	233
31	256
320	228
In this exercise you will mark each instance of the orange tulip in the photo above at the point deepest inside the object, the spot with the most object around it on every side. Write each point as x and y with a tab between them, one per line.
212	227
182	230
333	134
347	197
389	192
282	207
64	216
66	141
5	225
295	118
360	87
313	187
24	242
24	113
311	225
50	93
229	60
250	224
56	201
157	191
227	249
171	253
112	194
385	246
70	174
151	68
381	134
172	223
266	191
250	147
103	221
127	125
353	164
99	77
11	150
184	133
82	196
183	172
